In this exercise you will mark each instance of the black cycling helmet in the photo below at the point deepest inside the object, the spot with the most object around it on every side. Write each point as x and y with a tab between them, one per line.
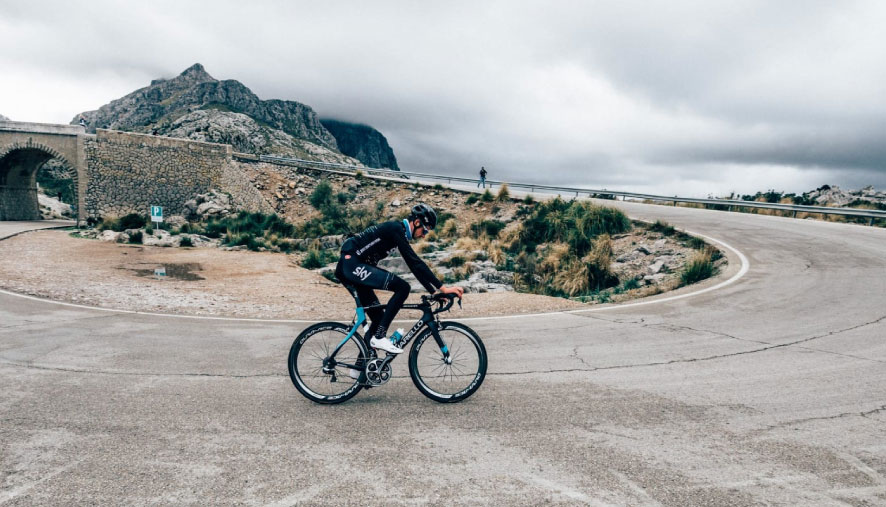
425	214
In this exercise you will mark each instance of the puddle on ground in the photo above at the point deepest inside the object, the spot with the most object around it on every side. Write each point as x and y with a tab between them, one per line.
183	271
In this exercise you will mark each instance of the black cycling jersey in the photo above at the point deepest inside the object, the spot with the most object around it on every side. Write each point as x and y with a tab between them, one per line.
379	241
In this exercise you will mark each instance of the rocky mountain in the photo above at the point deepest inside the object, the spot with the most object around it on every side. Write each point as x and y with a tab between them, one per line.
3	118
246	135
197	106
363	143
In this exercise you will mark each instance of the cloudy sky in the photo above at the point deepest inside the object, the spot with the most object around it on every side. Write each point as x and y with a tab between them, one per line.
676	97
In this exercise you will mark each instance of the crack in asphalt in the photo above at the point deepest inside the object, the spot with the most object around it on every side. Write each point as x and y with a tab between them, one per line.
842	354
698	359
588	369
805	420
673	327
576	356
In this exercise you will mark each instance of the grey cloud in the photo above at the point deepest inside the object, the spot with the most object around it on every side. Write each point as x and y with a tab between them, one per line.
596	93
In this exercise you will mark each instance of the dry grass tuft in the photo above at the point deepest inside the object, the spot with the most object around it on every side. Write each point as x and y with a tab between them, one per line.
553	257
467	244
449	229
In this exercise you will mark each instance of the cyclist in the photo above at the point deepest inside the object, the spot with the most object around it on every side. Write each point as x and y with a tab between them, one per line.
358	269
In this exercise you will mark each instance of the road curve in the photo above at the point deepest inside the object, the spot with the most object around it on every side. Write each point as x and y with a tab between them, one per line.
769	390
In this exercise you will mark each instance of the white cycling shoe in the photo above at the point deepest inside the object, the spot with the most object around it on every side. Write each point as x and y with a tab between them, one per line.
386	345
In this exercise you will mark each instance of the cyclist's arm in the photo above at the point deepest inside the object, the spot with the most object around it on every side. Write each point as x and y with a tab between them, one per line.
458	291
418	267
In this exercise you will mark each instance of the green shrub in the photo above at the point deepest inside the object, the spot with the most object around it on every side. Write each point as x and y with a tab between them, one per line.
186	241
344	197
136	238
472	199
443	217
133	221
528	199
576	223
490	228
149	231
439	187
322	195
699	268
250	224
696	243
316	258
130	221
487	196
629	284
664	228
454	262
359	218
109	224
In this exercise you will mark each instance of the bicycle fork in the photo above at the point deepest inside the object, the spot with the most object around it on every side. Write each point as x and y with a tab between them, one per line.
435	330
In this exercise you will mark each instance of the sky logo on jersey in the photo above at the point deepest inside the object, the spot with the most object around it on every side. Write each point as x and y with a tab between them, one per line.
362	273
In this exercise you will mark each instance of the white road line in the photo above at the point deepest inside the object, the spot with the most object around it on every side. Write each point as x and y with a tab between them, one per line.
745	266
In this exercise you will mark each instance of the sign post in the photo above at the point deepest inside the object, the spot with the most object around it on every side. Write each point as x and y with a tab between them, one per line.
157	214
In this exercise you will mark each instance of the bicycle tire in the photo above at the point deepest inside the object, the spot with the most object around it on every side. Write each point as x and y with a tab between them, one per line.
471	384
296	375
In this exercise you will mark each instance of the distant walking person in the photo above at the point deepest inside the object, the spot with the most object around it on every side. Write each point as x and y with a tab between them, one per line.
482	178
82	122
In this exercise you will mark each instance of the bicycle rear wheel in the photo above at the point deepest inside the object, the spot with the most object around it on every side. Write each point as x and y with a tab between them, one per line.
317	376
457	379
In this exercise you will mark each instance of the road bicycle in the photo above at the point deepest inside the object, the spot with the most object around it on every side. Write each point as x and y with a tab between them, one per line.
330	362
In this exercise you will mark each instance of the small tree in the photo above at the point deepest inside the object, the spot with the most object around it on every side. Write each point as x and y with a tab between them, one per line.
322	195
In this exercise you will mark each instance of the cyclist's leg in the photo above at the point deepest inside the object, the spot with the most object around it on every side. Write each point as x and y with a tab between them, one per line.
363	275
368	298
363	296
401	291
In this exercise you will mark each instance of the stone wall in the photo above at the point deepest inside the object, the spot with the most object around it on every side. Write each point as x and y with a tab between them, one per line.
129	172
244	194
18	203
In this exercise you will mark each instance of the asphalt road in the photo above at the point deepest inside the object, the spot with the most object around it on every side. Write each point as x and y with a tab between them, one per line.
769	390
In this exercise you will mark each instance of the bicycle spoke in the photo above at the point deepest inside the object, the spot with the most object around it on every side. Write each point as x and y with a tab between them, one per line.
449	375
318	348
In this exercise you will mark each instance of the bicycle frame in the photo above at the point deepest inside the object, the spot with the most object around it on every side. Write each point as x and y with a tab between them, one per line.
428	319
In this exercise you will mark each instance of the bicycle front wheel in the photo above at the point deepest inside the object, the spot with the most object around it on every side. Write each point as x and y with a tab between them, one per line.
319	376
452	380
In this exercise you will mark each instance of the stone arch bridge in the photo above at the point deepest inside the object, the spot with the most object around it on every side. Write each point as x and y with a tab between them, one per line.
24	148
115	172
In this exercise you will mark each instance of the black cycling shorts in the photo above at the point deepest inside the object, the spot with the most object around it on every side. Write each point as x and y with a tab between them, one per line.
352	271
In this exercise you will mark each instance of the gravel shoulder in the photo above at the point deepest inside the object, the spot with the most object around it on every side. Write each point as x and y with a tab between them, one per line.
209	282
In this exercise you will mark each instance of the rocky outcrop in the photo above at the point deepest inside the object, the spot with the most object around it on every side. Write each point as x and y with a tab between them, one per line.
208	205
3	118
363	143
164	101
832	195
246	136
53	208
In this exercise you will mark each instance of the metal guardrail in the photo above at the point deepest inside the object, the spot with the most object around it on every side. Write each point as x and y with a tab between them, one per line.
724	204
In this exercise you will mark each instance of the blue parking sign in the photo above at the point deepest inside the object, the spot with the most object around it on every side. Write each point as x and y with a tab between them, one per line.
156	214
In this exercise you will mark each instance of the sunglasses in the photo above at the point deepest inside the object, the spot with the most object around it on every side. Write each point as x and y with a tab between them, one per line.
425	229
